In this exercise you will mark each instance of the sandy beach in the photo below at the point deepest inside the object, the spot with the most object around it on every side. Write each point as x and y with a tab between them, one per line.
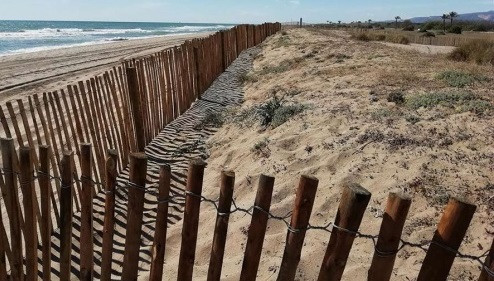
38	72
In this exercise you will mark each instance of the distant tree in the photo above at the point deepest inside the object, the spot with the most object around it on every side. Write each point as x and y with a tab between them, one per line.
397	18
452	15
369	21
339	22
444	17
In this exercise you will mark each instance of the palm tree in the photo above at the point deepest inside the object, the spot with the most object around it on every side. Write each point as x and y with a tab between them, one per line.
444	17
397	18
452	15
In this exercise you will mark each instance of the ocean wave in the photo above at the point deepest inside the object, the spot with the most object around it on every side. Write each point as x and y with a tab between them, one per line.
67	32
47	33
89	43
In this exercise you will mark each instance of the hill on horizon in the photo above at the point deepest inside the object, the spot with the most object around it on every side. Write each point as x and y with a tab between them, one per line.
479	16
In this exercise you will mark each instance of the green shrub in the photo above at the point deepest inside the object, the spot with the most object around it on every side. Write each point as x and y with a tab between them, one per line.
396	97
479	51
428	34
455	29
409	28
456	78
275	112
462	101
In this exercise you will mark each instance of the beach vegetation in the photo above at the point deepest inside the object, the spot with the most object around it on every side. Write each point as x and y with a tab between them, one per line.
461	101
460	79
480	51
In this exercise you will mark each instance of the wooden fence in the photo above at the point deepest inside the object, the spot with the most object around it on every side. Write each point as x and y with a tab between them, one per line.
442	250
120	110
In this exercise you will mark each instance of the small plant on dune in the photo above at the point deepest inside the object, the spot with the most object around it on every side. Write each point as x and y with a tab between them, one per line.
396	97
276	112
459	79
284	33
282	67
478	51
248	77
212	119
261	148
462	101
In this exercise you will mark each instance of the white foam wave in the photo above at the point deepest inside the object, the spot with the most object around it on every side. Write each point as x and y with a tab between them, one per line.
47	33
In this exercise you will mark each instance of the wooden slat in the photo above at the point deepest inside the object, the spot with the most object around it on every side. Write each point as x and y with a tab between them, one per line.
195	178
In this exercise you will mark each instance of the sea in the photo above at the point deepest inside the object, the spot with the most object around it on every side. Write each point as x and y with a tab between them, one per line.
31	36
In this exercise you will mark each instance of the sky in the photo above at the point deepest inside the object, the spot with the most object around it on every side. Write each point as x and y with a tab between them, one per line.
233	11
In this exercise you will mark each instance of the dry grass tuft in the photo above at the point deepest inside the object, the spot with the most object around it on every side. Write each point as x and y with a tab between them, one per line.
478	51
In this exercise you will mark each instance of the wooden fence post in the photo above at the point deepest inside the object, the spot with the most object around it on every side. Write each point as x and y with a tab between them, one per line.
191	220
221	227
158	252
26	180
257	229
135	208
86	242
12	206
66	212
304	201
135	104
3	252
446	241
389	237
109	220
350	213
488	267
45	192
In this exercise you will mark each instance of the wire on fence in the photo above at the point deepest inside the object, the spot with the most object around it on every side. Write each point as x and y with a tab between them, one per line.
329	228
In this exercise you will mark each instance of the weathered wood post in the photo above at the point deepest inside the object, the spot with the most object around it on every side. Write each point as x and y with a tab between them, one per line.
304	201
45	192
9	159
109	220
446	241
221	227
158	252
3	253
191	220
389	237
135	208
135	104
257	229
67	175
350	213
30	232
488	267
87	252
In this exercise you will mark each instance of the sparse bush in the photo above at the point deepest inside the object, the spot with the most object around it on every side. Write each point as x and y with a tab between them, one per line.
461	100
412	119
459	79
212	119
409	28
261	148
428	34
361	37
479	51
248	77
398	39
275	112
440	33
396	97
381	113
282	67
455	29
284	33
284	113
